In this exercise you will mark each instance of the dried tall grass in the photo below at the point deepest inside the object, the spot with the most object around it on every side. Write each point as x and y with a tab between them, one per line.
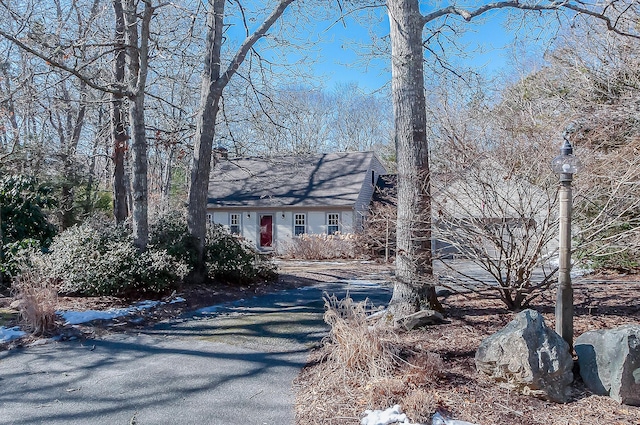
360	346
321	247
365	364
37	297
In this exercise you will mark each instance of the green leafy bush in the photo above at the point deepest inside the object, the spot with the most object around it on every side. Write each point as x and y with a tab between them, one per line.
228	257
22	204
100	259
233	259
170	232
17	256
620	261
23	221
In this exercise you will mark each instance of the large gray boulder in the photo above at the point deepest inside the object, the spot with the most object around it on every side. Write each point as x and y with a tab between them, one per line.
528	356
610	362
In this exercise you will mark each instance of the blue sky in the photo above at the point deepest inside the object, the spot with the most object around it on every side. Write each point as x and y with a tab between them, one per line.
339	51
489	41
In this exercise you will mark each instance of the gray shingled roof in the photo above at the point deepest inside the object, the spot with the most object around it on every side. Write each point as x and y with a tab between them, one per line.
303	181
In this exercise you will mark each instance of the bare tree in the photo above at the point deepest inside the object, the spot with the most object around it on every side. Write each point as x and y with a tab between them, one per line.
498	211
378	237
414	280
214	81
118	120
137	49
590	84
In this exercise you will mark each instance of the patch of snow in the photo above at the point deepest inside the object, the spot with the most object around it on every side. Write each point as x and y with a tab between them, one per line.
177	300
9	334
359	282
72	317
209	310
392	415
77	317
438	419
145	305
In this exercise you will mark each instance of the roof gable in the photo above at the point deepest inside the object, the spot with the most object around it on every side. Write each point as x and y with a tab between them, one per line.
302	180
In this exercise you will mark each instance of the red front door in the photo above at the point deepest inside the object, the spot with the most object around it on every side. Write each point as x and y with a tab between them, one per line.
266	230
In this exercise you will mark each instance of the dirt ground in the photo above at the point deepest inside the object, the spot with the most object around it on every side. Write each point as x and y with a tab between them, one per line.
329	395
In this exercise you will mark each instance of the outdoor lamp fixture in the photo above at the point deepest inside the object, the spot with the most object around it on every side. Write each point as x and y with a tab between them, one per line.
565	165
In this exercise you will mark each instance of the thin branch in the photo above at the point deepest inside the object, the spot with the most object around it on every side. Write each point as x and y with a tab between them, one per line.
250	41
468	15
57	64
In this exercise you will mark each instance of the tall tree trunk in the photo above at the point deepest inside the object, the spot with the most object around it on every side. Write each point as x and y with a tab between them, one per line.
9	106
140	219
75	124
205	133
66	155
414	285
137	54
118	126
213	83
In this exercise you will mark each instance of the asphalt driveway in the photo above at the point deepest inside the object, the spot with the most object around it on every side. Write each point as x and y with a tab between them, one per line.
231	364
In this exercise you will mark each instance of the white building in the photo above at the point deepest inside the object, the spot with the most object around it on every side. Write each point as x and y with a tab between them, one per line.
271	200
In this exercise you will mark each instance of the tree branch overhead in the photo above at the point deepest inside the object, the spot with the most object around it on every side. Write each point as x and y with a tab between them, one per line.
581	8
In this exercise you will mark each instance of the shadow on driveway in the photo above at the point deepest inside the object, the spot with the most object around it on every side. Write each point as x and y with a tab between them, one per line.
232	364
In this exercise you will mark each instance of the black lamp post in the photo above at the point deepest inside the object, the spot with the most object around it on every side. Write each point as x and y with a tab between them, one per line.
565	165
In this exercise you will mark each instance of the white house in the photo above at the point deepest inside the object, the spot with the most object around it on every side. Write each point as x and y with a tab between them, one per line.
270	200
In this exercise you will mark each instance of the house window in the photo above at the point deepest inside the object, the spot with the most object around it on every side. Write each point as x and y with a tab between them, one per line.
332	223
210	219
234	224
299	224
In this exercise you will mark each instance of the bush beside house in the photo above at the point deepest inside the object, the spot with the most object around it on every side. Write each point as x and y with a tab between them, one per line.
99	258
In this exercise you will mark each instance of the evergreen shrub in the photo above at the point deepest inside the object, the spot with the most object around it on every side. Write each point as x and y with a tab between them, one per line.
169	231
23	221
97	258
227	257
234	260
17	256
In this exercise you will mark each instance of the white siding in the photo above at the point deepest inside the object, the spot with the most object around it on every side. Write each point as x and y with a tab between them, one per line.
221	218
316	222
283	230
250	227
346	222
